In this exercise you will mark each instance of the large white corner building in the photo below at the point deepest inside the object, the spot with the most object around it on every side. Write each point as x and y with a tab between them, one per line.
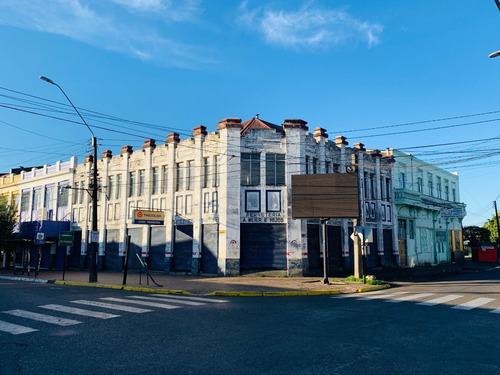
226	196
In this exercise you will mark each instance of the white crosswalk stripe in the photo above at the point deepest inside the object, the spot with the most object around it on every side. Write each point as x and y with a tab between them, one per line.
42	317
356	295
422	299
77	311
181	302
201	299
474	303
382	296
410	297
15	329
160	301
112	306
440	300
143	303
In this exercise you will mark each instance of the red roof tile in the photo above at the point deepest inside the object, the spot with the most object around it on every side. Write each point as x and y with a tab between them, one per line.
257	123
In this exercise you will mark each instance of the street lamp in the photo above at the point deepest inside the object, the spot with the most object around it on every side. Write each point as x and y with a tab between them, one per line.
496	217
94	241
494	54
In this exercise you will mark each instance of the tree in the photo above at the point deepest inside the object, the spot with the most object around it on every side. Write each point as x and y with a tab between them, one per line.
491	224
7	219
475	234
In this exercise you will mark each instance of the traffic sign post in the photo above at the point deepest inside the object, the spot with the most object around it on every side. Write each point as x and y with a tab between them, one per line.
39	238
66	238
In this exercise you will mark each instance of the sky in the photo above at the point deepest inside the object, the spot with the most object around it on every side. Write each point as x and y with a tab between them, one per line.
412	75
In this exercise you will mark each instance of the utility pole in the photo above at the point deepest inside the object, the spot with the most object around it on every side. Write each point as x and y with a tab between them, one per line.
496	217
94	237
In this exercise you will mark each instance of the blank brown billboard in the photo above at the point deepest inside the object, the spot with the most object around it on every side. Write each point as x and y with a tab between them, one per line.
325	196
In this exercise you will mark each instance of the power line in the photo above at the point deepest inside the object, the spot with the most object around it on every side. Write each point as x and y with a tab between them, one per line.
430	129
421	122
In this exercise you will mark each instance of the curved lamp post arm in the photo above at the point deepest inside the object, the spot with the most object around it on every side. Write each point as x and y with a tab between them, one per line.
48	80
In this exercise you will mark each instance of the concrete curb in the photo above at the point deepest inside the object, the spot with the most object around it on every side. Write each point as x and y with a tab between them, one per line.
291	293
371	288
275	294
14	278
122	287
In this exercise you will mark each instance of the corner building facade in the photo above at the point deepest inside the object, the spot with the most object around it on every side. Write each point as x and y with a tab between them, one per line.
226	196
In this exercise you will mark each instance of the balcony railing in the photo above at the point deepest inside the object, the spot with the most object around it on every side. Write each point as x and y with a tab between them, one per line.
413	198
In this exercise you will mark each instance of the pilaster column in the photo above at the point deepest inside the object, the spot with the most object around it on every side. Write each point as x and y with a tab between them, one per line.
199	134
360	152
172	141
73	193
321	136
125	152
296	229
341	143
103	209
395	245
229	194
87	210
148	147
378	197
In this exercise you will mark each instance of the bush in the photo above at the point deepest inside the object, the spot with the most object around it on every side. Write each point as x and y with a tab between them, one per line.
370	280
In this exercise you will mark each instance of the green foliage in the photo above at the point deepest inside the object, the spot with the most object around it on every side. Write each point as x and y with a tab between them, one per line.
476	234
491	225
7	219
370	280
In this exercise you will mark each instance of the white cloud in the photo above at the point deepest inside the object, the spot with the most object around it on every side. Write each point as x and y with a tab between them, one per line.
309	27
170	10
103	27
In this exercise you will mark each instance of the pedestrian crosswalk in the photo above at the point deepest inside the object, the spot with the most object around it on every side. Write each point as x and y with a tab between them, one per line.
104	308
455	301
42	317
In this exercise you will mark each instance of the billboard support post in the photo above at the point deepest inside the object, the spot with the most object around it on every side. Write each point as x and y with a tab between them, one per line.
325	252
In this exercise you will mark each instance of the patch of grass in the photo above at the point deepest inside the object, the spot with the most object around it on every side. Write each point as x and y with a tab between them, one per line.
370	280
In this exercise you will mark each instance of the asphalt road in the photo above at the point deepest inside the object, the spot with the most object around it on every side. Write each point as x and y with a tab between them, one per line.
446	327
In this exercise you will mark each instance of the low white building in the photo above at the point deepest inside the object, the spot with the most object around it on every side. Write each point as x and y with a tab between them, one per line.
42	199
429	211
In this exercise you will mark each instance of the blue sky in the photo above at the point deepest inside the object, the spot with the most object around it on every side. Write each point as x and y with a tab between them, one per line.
385	73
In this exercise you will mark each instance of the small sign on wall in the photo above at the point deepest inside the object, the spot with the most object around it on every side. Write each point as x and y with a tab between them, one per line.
148	217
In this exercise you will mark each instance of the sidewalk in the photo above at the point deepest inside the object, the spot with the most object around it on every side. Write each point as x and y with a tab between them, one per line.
254	284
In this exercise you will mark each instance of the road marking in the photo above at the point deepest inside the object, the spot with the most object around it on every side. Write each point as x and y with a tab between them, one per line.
410	297
112	306
382	296
42	317
144	303
191	303
437	301
356	295
14	328
77	311
203	299
473	304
